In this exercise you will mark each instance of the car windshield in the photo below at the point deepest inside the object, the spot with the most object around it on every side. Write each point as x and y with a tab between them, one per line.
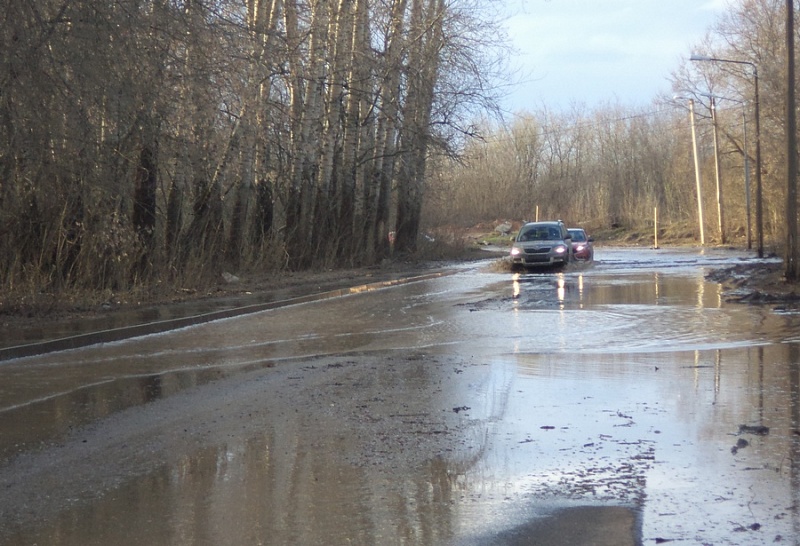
539	233
578	236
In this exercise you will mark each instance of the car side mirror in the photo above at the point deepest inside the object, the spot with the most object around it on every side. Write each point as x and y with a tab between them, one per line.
591	239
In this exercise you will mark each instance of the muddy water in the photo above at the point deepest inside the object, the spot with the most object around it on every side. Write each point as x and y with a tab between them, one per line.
479	408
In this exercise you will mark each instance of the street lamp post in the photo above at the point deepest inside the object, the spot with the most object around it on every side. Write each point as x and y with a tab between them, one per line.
746	162
759	205
746	178
720	217
746	171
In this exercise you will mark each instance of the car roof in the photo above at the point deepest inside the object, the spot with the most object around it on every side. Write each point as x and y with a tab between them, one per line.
546	223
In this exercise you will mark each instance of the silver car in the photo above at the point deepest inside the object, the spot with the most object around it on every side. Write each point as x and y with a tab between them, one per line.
542	244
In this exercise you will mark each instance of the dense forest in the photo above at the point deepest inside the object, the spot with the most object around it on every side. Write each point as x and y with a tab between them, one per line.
166	141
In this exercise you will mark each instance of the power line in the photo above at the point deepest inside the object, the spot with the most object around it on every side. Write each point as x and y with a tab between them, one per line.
544	132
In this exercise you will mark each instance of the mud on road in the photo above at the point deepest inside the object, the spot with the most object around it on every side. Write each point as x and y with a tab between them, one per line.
364	449
601	405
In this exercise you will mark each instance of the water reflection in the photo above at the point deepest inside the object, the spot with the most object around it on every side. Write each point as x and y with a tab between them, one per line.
246	493
605	312
545	290
51	417
690	408
291	477
653	431
794	452
619	388
561	289
599	286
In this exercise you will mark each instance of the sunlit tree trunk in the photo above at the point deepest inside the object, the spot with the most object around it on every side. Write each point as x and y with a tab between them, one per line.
303	109
423	69
294	83
332	203
315	241
361	121
386	139
264	18
344	163
260	19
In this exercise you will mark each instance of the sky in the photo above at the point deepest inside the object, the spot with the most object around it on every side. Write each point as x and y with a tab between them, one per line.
594	52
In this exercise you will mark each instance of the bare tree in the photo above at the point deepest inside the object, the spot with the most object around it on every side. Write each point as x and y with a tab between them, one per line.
172	139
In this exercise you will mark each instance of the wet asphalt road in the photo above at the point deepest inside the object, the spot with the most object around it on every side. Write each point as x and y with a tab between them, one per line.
622	403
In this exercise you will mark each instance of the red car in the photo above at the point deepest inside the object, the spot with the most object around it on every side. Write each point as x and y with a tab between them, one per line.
582	247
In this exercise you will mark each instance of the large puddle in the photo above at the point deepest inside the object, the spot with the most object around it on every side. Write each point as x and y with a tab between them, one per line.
470	409
704	441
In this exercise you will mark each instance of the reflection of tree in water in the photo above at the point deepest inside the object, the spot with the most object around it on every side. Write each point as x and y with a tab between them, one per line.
151	387
794	458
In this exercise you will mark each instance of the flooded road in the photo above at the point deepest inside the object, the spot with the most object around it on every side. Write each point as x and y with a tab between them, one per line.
622	403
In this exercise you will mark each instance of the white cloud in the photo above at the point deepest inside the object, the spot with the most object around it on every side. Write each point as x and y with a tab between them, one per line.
591	51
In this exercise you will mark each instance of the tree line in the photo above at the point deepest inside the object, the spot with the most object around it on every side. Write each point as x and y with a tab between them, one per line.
144	141
614	165
169	139
610	166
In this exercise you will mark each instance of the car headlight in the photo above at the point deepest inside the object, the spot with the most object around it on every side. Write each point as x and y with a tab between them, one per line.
515	251
560	249
580	248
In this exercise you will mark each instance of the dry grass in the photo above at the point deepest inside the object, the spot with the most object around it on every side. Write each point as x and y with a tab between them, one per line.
29	300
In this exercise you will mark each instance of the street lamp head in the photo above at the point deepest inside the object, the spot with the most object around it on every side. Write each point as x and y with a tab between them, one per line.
719	97
759	217
698	57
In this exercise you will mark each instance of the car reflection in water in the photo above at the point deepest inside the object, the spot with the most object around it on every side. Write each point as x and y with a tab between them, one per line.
537	290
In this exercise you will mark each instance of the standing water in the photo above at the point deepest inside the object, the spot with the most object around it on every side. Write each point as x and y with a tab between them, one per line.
625	402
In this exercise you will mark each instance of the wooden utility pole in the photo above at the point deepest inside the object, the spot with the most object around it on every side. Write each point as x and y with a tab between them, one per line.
718	174
791	150
697	175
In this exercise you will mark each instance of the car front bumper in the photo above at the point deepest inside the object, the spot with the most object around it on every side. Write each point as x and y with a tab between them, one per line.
534	260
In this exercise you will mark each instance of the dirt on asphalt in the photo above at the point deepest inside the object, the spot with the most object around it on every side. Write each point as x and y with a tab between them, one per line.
48	313
320	385
762	283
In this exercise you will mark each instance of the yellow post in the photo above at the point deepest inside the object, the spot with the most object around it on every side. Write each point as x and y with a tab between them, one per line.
537	213
655	226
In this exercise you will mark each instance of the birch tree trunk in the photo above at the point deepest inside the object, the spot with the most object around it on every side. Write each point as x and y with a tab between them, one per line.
345	166
294	83
361	121
310	132
266	14
259	22
204	237
330	201
423	66
306	92
386	139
